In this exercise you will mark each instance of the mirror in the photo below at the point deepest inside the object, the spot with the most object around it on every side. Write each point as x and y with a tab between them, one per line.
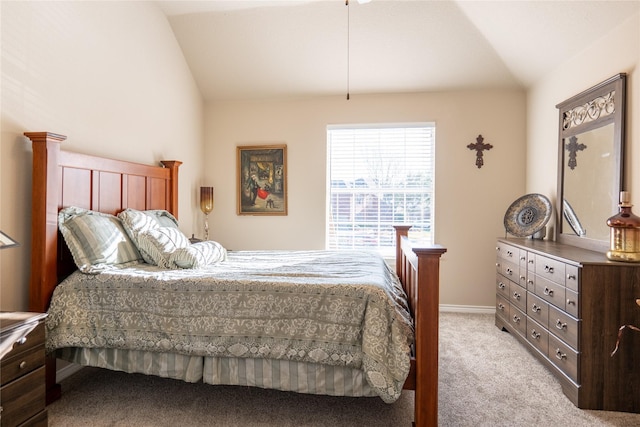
590	163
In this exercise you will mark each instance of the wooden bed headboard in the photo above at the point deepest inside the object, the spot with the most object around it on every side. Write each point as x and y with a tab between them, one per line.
62	179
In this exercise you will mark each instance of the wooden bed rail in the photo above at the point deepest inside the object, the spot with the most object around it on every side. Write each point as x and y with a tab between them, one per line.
418	268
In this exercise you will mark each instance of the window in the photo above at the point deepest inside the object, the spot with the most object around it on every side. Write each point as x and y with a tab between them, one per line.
378	176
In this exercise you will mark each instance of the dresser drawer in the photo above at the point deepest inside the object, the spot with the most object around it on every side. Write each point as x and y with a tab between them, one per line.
550	269
502	307
23	398
508	269
538	336
550	291
507	252
564	326
571	303
518	296
31	340
517	320
522	259
571	277
537	309
21	364
502	286
564	357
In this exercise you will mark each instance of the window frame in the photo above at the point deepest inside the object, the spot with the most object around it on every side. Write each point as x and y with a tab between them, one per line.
423	231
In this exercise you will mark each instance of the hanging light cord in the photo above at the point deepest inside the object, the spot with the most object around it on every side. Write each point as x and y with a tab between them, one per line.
348	45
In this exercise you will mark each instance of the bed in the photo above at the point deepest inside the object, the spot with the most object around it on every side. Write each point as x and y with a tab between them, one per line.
64	179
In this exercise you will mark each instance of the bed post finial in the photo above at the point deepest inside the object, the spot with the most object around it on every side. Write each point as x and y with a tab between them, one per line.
173	166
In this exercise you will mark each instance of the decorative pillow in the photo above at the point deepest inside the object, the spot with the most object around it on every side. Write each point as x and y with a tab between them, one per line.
159	243
136	222
198	255
97	241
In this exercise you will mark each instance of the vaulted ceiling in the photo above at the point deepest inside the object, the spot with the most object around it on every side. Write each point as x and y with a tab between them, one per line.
264	49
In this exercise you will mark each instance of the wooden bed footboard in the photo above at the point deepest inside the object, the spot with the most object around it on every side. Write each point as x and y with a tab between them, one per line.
418	268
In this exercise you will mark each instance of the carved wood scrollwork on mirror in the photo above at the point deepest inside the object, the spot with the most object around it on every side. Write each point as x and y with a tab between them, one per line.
590	163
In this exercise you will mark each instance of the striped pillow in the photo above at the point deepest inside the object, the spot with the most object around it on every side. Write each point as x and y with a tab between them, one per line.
97	241
159	243
136	222
198	255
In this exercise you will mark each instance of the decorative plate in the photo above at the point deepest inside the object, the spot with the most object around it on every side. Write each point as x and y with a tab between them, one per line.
527	215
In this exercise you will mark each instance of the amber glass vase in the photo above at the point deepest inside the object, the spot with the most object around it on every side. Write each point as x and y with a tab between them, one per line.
625	233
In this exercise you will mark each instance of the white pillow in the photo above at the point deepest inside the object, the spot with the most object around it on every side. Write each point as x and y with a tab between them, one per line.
97	241
136	222
159	243
198	255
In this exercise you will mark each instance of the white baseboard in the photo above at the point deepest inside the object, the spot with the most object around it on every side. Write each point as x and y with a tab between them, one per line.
66	371
479	309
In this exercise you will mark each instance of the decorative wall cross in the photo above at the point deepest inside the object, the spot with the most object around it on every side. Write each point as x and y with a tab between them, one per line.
573	147
479	146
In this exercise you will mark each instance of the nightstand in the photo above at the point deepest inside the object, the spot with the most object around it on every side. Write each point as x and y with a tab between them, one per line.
22	369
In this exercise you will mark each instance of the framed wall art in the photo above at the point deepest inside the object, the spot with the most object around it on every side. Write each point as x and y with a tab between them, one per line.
262	179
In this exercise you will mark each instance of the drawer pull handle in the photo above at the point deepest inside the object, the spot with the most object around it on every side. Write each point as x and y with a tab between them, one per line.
502	285
530	261
501	306
571	302
560	325
535	335
548	292
571	277
523	278
516	296
516	319
509	254
21	341
548	269
530	282
509	272
22	365
535	308
523	258
560	355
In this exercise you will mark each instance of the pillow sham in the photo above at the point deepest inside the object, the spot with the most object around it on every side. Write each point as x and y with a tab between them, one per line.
198	255
159	243
97	241
136	222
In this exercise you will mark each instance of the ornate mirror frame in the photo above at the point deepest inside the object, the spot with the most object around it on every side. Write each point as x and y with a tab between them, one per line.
581	117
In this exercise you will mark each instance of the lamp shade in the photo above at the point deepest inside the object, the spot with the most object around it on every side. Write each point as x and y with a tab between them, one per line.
206	199
6	241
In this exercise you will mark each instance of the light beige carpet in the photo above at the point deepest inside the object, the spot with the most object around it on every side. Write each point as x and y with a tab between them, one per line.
486	379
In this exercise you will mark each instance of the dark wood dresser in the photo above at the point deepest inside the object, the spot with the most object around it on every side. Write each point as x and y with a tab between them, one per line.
566	305
22	371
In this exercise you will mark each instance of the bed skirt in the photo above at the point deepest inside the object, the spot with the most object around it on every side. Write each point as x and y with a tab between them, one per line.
285	375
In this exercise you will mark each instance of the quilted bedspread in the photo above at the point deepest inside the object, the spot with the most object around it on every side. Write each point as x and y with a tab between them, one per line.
339	308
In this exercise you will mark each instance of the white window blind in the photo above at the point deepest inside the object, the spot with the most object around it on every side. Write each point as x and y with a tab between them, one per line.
379	175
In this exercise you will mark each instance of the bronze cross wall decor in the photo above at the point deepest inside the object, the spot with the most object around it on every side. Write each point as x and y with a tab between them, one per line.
479	146
573	147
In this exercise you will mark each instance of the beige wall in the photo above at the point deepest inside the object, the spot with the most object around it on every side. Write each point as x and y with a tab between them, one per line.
618	52
110	76
470	202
